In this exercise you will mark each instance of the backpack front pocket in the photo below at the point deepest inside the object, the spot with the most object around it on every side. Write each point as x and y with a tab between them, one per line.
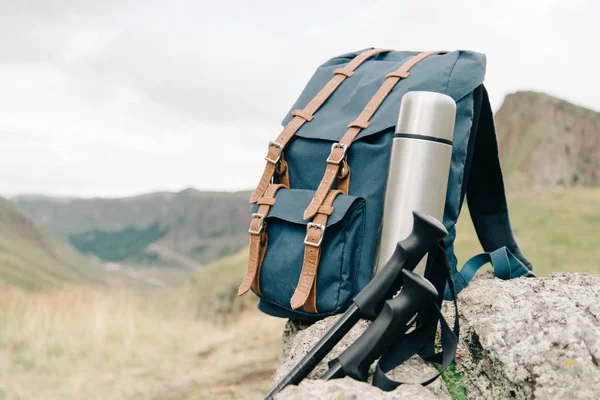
340	242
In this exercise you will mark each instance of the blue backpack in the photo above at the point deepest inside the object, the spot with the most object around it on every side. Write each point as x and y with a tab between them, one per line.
317	211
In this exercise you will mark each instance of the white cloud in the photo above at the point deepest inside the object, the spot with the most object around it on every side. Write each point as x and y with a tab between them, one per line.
122	97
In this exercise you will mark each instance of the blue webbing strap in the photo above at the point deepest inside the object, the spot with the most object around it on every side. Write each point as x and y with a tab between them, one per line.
506	265
486	199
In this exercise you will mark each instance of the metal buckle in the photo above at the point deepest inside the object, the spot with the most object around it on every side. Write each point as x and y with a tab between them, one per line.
262	223
280	147
344	148
318	226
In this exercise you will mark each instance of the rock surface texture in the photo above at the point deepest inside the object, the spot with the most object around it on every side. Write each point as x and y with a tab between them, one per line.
532	338
349	389
525	338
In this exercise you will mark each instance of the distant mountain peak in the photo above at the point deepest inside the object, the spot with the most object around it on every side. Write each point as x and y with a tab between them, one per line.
547	142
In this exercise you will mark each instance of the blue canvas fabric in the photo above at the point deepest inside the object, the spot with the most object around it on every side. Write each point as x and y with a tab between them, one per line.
350	243
341	252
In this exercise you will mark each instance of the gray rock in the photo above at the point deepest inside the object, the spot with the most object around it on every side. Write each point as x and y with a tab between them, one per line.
349	389
297	341
525	338
531	338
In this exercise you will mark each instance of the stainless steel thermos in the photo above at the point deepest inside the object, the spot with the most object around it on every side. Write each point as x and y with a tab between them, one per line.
419	167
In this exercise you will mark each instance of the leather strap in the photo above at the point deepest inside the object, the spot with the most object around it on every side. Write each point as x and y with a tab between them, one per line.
339	150
307	114
258	241
305	293
283	172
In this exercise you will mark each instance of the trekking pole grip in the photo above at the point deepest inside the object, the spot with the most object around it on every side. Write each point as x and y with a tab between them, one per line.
427	231
392	322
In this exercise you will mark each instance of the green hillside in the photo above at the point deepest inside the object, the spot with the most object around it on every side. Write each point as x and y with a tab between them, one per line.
127	244
32	259
187	229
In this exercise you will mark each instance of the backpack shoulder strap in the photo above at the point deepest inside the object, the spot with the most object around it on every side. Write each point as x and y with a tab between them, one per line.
486	199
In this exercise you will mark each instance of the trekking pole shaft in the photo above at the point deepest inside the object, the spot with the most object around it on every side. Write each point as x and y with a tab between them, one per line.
318	351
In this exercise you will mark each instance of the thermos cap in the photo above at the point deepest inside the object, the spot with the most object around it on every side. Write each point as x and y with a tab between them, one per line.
427	114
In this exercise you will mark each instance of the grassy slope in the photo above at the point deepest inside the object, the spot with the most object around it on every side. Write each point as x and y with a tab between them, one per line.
31	259
221	272
557	231
213	290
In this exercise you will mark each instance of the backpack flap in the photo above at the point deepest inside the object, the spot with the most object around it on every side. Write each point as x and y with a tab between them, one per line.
455	74
339	243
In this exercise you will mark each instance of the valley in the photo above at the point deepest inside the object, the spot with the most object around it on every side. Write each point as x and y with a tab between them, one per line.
173	230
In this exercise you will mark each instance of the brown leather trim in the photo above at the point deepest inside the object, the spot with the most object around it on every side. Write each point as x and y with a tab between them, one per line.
253	261
262	250
359	124
403	71
296	123
305	293
343	71
258	242
302	114
324	187
266	200
283	172
355	128
265	180
398	74
326	210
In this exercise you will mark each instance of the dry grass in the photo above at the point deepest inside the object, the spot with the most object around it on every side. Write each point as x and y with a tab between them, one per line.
117	343
94	343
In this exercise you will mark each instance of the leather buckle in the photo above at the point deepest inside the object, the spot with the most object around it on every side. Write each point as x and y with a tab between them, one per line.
280	147
262	224
344	148
318	226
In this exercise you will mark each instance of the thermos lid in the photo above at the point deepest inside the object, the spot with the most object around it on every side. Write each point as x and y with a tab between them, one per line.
427	114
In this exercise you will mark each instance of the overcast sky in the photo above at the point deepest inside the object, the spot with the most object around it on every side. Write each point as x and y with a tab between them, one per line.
120	97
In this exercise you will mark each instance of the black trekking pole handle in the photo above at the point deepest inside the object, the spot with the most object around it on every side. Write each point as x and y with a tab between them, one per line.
392	322
426	232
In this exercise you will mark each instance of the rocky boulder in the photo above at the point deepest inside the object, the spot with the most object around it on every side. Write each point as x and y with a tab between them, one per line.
525	338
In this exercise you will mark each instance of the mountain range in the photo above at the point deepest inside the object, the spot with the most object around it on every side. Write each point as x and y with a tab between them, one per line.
185	229
544	143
